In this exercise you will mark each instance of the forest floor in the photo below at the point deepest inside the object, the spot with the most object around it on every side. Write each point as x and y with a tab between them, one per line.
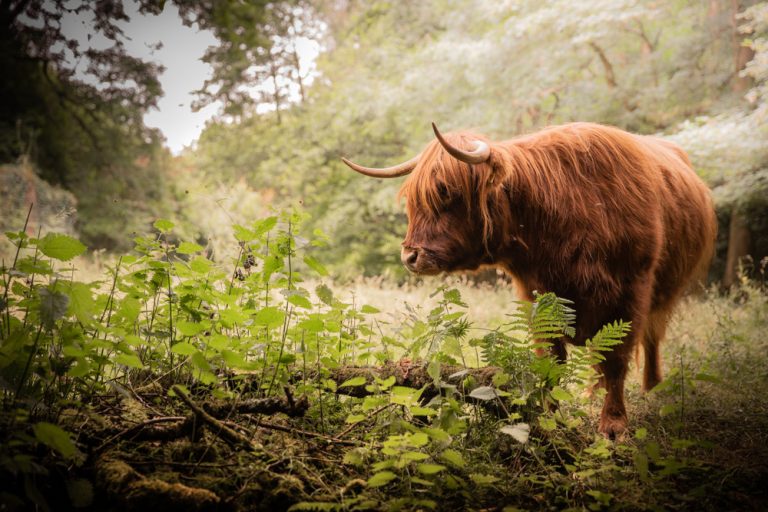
698	442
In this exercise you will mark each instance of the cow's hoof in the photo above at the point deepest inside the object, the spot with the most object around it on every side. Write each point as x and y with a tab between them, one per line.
613	427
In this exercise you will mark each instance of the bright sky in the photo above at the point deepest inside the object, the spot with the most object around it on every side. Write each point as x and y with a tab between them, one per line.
184	71
182	49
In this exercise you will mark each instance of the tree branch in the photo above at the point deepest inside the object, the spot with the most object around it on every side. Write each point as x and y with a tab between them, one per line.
610	77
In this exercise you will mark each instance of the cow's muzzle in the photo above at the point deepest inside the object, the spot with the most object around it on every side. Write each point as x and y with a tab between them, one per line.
419	261
410	258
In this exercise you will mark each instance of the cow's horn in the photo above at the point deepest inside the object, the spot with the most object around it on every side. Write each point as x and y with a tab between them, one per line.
477	156
386	172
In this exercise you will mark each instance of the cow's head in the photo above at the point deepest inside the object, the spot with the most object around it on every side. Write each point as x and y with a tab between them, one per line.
451	201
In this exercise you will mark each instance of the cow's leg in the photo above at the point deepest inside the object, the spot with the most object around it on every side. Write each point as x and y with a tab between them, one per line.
557	349
613	418
654	333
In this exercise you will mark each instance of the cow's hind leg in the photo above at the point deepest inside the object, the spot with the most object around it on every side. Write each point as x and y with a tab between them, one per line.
654	333
613	418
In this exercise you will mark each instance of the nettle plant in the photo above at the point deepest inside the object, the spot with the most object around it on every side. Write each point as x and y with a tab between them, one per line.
169	310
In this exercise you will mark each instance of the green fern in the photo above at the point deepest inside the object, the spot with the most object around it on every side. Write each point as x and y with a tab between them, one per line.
547	317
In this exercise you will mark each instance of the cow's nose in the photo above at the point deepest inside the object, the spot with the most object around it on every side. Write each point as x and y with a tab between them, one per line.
409	257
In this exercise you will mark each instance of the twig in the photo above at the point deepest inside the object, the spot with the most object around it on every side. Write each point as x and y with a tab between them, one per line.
219	428
136	428
296	431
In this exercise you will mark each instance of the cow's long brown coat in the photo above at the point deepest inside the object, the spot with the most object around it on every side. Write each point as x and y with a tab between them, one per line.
618	223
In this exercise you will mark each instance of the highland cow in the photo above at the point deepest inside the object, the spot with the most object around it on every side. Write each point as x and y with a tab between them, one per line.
618	223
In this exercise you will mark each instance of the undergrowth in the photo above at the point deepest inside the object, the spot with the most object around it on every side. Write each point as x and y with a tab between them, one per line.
399	416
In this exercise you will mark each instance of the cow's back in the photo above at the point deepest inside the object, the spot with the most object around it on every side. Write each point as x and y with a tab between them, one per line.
689	223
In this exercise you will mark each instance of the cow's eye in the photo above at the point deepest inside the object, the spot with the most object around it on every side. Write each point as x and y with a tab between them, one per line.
445	195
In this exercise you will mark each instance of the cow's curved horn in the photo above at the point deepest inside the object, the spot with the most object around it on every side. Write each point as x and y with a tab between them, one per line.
385	172
477	156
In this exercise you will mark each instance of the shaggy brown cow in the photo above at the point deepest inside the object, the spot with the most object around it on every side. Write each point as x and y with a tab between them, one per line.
618	223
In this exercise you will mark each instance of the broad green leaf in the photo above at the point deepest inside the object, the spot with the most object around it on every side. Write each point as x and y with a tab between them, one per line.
381	478
418	439
243	234
128	310
234	359
481	479
300	301
437	434
411	456
422	411
262	226
271	265
60	247
269	317
56	438
129	360
315	265
355	418
187	328
373	402
547	423
230	317
453	457
430	469
184	348
199	361
29	265
324	294
560	394
312	324
404	396
163	225
368	309
219	341
200	265
81	302
500	379
189	248
353	457
353	382
80	369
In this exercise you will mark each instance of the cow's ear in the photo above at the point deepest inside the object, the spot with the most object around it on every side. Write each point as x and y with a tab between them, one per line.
495	169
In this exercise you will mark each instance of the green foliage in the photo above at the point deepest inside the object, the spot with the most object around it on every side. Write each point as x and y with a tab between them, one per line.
507	69
168	310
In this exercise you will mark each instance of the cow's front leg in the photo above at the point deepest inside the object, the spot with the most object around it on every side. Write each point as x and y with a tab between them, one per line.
613	418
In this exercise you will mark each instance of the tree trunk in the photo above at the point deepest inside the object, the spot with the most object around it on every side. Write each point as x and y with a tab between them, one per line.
743	54
739	242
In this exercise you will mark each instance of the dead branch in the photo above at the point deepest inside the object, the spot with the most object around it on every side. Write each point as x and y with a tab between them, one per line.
217	427
182	426
270	405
